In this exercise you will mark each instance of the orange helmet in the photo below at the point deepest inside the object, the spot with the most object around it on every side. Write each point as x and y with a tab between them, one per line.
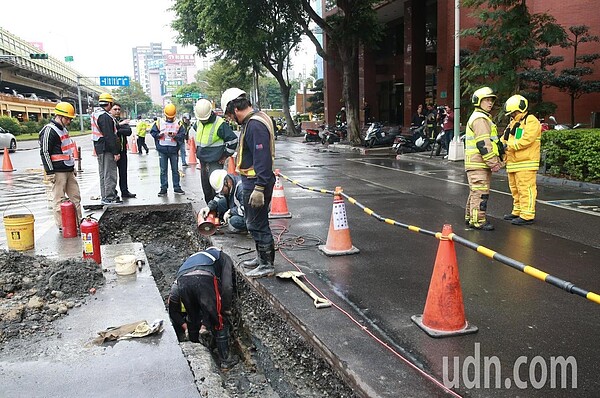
170	111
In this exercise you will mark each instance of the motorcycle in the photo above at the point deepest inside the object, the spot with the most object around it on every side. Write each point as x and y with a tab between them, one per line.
314	135
377	135
335	134
416	142
554	125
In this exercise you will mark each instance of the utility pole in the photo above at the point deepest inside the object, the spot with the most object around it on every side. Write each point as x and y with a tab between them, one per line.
135	104
456	151
80	106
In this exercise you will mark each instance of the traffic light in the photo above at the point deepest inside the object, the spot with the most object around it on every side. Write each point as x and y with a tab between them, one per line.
38	56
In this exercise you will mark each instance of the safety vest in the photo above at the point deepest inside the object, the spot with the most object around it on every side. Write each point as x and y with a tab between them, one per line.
66	146
142	127
166	128
206	135
473	158
96	133
266	120
525	145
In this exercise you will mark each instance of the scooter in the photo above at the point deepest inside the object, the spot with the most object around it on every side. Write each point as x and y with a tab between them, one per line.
416	142
314	135
556	126
377	135
335	134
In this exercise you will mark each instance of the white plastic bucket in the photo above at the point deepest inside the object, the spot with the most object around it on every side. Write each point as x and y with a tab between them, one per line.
125	264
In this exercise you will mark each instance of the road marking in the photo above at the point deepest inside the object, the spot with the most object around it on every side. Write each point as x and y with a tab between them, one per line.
554	203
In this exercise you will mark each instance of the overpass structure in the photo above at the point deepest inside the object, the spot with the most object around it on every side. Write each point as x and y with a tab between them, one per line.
30	88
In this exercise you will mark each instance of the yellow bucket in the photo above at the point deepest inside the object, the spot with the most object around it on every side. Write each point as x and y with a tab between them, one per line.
19	231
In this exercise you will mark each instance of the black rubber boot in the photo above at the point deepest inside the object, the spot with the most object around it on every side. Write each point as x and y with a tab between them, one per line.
266	259
227	360
251	264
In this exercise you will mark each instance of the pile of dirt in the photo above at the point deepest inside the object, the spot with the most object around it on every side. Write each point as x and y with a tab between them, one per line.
35	291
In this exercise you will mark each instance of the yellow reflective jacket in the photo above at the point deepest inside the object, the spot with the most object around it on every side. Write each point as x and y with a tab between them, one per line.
481	139
523	148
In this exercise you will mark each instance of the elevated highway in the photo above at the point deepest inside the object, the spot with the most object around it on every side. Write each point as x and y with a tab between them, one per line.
31	86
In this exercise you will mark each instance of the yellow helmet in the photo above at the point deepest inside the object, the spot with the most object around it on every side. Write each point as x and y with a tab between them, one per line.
105	98
515	103
64	109
480	94
170	111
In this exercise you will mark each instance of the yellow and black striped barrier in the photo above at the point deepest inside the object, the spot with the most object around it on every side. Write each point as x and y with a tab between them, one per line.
527	269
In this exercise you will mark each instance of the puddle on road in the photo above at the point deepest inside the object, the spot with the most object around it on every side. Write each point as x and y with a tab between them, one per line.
277	360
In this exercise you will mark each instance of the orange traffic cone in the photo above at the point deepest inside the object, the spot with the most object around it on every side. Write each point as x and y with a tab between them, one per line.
6	163
231	166
134	147
75	153
192	156
444	313
279	207
338	239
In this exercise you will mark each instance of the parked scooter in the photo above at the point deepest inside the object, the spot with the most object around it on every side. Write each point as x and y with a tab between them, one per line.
314	135
377	135
416	142
335	134
556	126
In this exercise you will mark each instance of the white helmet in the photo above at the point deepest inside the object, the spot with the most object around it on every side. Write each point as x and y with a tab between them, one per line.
229	95
203	109
217	179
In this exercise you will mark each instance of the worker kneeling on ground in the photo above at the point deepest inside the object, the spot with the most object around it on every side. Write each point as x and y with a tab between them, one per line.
204	286
229	200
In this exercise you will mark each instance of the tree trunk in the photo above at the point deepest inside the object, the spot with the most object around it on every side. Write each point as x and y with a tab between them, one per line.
348	59
285	102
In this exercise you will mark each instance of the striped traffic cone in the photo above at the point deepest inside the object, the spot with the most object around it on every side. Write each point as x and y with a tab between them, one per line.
279	207
338	239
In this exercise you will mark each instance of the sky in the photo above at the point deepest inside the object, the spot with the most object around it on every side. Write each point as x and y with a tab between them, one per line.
99	35
101	44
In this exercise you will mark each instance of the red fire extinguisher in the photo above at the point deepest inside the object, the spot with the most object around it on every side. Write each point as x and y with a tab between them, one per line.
90	235
69	219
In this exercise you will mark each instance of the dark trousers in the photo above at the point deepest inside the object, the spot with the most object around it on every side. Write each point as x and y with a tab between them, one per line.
202	300
141	143
122	167
257	220
206	168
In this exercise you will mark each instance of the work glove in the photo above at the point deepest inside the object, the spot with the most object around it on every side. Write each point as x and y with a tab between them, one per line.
227	216
257	199
204	211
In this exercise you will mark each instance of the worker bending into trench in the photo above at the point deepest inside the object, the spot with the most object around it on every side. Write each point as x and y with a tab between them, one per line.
201	297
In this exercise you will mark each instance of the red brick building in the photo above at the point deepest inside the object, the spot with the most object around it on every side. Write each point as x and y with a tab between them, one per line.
415	61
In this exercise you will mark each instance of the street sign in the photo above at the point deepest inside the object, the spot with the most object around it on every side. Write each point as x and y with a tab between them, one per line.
114	81
68	58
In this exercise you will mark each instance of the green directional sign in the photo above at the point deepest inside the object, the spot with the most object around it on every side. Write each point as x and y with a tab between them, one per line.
68	58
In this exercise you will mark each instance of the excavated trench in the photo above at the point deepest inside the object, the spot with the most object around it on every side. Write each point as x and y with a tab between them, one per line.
277	361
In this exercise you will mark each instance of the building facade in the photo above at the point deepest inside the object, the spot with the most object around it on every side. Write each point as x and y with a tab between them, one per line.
414	63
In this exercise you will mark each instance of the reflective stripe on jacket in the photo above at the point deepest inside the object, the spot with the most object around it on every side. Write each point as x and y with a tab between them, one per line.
206	135
166	128
96	133
480	146
523	148
246	165
66	145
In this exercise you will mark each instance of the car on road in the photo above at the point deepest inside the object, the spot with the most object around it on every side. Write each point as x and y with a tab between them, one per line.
7	140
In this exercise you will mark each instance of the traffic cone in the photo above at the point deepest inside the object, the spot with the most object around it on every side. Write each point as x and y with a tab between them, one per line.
75	153
279	207
6	163
192	156
444	313
134	147
231	166
338	239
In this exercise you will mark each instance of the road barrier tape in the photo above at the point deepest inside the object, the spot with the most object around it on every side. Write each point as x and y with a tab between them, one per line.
526	269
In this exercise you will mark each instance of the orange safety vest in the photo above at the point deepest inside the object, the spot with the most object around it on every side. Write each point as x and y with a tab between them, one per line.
96	133
66	145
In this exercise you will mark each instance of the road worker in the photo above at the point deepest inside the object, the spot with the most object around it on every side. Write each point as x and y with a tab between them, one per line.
229	200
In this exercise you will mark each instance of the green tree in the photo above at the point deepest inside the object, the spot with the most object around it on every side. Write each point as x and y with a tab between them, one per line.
183	99
317	100
249	31
354	23
128	96
572	80
222	75
270	93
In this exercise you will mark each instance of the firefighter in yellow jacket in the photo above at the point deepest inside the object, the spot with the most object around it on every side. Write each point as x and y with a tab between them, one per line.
523	142
483	155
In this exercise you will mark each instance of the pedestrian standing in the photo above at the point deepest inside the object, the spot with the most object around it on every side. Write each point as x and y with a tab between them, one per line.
482	157
142	128
204	286
56	151
104	136
215	142
123	131
185	122
256	155
168	136
523	144
448	126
